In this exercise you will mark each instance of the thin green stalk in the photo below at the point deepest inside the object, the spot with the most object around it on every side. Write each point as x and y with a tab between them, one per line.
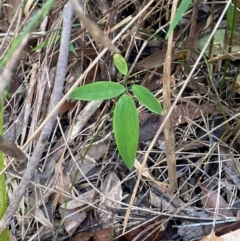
4	236
231	22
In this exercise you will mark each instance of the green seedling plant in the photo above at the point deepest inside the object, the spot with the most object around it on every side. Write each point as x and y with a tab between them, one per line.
125	115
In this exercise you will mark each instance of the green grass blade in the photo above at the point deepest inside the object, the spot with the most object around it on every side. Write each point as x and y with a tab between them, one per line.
4	236
179	14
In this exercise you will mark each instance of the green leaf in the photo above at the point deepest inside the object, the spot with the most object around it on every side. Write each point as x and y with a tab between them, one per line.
47	43
72	49
103	90
179	14
219	42
126	129
120	63
147	99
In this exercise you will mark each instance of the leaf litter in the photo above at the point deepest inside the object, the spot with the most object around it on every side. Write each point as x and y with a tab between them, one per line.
81	188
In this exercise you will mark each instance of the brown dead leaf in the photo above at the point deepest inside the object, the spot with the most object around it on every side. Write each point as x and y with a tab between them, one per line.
86	236
71	172
81	201
66	106
159	202
209	201
12	237
11	149
232	236
97	150
63	182
106	234
40	217
156	59
227	228
113	191
72	219
180	115
85	165
73	210
141	234
11	9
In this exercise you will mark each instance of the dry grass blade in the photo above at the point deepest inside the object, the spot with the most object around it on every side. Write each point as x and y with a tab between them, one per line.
80	183
145	157
57	92
146	173
94	31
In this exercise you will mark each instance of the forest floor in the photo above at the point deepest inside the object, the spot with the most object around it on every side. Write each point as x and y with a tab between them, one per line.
185	182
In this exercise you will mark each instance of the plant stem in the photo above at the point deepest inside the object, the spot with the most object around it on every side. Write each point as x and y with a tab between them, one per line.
229	41
4	236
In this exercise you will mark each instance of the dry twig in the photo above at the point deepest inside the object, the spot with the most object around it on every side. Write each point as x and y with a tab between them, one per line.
168	130
56	97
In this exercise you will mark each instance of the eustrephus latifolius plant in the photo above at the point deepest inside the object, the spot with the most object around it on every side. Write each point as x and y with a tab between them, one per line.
125	115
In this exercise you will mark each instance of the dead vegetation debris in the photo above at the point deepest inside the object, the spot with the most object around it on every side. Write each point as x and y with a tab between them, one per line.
74	185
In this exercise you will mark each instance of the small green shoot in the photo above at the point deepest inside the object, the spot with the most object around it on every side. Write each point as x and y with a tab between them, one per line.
125	116
47	43
120	64
18	91
72	49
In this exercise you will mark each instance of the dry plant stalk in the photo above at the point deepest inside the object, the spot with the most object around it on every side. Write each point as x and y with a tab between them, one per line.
168	129
165	120
94	31
44	135
192	40
7	72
